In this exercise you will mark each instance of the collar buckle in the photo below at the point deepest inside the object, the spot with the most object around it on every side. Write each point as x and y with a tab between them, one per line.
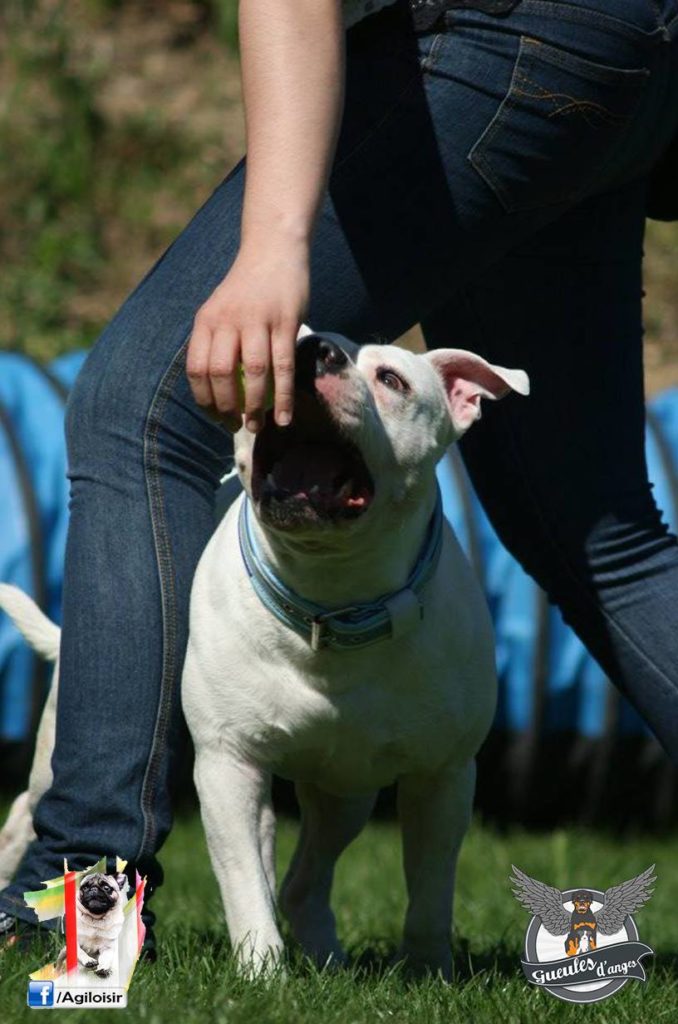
319	624
318	630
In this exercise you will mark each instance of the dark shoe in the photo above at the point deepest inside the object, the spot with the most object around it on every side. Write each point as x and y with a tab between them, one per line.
18	934
149	950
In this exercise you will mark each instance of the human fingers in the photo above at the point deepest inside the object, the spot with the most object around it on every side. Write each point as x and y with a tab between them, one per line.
223	368
283	345
256	360
197	362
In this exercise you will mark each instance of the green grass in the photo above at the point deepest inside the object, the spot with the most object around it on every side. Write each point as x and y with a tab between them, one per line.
194	980
86	185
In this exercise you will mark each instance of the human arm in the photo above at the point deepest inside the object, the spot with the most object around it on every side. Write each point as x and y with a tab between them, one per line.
292	73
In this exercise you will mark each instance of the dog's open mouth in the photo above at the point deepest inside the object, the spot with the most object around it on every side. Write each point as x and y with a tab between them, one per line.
308	472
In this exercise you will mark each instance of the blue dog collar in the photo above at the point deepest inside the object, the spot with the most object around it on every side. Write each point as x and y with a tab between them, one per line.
355	626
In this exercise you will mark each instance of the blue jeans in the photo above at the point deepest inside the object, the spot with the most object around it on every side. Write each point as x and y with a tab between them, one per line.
489	183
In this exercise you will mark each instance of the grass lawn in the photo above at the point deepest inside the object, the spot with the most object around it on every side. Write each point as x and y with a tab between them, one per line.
193	979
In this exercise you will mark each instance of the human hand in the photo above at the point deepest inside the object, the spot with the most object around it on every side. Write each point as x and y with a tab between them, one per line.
251	317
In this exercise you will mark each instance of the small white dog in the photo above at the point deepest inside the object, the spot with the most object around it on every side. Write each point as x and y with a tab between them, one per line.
339	638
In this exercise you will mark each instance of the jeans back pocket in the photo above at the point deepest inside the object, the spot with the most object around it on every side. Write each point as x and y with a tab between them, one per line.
557	128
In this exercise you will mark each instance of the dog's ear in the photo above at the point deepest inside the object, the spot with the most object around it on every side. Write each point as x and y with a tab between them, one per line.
467	378
303	332
123	883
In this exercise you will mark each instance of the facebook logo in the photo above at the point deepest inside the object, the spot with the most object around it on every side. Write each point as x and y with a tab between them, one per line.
40	993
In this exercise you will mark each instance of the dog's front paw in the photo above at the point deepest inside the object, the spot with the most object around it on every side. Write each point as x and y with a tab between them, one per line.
91	965
260	962
104	972
268	972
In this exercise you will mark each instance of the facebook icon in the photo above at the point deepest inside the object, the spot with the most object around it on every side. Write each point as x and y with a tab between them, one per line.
40	993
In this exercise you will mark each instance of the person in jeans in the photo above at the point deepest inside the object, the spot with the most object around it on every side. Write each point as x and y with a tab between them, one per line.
477	166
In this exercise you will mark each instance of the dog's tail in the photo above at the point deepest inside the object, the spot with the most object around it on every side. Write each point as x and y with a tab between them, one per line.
40	632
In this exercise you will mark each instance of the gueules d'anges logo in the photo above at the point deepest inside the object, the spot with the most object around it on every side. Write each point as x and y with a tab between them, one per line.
593	929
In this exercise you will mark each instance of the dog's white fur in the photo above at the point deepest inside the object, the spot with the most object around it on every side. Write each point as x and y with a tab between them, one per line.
340	724
414	710
43	636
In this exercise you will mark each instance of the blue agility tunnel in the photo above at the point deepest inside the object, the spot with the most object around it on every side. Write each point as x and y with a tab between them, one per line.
33	519
564	745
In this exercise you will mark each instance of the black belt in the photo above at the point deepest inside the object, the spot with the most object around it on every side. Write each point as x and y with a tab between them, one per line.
425	13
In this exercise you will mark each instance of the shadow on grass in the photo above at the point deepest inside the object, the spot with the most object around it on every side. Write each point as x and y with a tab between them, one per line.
379	961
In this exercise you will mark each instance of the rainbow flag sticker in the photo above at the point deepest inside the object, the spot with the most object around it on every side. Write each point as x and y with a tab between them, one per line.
60	899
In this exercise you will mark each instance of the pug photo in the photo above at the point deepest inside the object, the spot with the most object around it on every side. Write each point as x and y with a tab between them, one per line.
99	906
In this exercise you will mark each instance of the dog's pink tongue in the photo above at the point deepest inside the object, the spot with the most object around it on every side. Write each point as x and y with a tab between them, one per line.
306	466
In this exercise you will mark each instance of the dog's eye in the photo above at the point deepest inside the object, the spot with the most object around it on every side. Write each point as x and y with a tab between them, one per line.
392	380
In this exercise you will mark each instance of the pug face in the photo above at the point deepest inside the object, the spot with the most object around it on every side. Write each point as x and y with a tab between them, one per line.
99	893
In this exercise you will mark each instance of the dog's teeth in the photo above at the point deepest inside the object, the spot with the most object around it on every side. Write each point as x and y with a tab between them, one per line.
269	480
315	489
345	489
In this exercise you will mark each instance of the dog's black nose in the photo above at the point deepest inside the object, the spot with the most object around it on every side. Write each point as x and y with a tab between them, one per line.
330	357
318	354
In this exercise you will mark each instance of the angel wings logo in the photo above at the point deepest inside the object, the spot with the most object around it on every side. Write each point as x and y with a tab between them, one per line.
582	945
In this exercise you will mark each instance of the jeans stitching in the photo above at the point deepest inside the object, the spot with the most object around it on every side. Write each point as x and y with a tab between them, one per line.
530	50
475	156
167	595
430	61
565	105
587	68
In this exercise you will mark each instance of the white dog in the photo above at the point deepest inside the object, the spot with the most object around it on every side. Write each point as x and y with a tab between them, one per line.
339	638
43	636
